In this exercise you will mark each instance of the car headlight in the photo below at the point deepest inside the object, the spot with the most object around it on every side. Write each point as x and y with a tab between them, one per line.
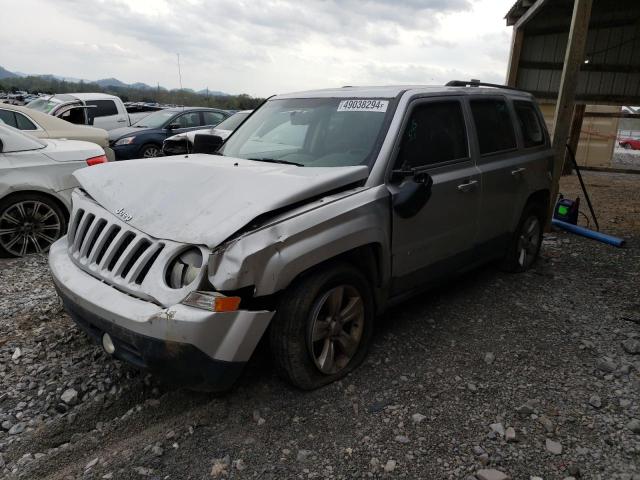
184	268
125	141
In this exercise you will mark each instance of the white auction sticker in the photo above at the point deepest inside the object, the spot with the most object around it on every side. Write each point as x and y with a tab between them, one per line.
363	105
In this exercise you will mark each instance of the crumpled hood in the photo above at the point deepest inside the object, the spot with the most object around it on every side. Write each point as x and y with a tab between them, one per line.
204	199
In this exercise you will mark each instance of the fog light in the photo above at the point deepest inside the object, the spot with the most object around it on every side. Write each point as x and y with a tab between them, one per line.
107	344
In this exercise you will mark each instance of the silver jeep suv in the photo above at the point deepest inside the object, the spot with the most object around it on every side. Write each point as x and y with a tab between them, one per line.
318	212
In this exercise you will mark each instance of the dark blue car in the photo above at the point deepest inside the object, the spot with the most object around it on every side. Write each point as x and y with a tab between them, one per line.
144	138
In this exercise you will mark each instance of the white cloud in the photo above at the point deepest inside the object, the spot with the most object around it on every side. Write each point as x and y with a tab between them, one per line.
260	47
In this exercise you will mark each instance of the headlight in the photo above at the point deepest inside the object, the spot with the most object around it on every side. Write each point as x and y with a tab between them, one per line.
184	268
125	141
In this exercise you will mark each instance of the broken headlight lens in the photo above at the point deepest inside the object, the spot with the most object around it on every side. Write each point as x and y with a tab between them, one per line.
184	268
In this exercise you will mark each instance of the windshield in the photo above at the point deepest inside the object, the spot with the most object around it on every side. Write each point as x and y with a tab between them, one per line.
154	120
312	132
233	121
44	104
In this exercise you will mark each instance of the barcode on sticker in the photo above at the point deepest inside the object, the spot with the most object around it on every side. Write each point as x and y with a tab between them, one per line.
362	105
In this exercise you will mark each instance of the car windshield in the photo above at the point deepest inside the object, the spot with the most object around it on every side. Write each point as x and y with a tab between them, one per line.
312	132
233	121
45	104
154	120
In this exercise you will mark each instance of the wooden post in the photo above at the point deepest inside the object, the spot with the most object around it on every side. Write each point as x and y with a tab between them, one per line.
514	57
574	136
573	59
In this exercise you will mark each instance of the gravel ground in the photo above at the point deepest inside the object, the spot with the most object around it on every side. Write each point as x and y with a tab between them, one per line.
532	375
624	158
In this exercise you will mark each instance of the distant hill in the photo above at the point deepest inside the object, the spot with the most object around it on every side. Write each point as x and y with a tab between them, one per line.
4	73
111	82
104	83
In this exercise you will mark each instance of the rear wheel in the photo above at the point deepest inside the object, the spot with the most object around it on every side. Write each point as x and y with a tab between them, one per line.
525	244
150	150
29	223
626	146
323	326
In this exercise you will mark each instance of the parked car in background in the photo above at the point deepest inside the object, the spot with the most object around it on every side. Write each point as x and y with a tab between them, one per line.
630	143
320	210
183	142
144	138
97	109
35	188
42	125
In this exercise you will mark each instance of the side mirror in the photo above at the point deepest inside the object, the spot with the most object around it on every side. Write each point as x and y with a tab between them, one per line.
206	143
173	126
412	195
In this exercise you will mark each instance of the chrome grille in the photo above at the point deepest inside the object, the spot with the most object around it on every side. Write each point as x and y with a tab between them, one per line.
109	248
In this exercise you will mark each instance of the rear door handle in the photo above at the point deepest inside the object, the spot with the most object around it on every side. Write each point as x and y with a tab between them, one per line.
120	120
469	186
517	171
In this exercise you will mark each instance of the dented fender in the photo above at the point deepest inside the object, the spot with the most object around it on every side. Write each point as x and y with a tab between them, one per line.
270	257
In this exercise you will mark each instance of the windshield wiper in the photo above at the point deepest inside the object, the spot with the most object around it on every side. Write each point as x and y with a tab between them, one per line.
273	160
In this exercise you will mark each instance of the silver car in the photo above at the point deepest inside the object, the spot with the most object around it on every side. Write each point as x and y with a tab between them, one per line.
35	188
323	208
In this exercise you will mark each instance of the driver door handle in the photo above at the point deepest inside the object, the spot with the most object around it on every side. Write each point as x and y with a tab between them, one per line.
517	171
468	187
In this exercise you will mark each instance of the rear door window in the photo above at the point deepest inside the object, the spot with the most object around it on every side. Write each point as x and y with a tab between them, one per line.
103	108
9	118
435	134
212	118
529	120
493	126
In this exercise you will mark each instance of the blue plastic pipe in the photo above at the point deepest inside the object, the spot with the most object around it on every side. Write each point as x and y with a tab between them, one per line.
585	232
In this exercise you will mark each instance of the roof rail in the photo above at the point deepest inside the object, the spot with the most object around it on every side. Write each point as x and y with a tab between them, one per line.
478	83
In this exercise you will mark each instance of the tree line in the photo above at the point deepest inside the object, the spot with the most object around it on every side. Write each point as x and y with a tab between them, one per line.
187	97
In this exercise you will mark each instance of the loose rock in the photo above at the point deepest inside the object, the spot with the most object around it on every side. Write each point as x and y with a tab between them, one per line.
491	474
553	446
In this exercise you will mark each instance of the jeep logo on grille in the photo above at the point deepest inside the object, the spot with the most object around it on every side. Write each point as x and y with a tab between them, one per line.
123	215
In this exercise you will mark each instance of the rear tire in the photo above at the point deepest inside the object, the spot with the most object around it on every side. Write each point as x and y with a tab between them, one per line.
524	247
29	223
323	326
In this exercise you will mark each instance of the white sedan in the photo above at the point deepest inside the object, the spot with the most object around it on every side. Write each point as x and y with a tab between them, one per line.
35	188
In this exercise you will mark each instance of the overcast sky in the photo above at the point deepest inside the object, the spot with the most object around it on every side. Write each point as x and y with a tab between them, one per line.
259	47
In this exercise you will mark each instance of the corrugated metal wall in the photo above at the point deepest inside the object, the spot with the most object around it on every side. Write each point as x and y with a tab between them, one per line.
612	72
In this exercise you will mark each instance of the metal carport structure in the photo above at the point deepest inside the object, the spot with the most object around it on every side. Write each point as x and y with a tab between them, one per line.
575	52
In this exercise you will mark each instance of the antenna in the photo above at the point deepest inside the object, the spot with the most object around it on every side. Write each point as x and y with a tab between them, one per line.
186	137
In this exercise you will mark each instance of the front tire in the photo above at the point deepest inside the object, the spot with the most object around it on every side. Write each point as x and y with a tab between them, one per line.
150	150
29	223
525	244
323	326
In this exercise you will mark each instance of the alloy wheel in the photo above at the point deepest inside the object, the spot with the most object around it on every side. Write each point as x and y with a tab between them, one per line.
336	328
151	152
529	241
29	226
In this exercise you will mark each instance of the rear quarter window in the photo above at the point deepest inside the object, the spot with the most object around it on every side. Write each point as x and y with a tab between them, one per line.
24	123
529	120
493	125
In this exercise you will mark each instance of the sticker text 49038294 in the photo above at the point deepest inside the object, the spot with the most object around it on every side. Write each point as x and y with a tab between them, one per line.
363	105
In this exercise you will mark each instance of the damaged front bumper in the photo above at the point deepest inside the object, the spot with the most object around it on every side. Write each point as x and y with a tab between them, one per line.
195	347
